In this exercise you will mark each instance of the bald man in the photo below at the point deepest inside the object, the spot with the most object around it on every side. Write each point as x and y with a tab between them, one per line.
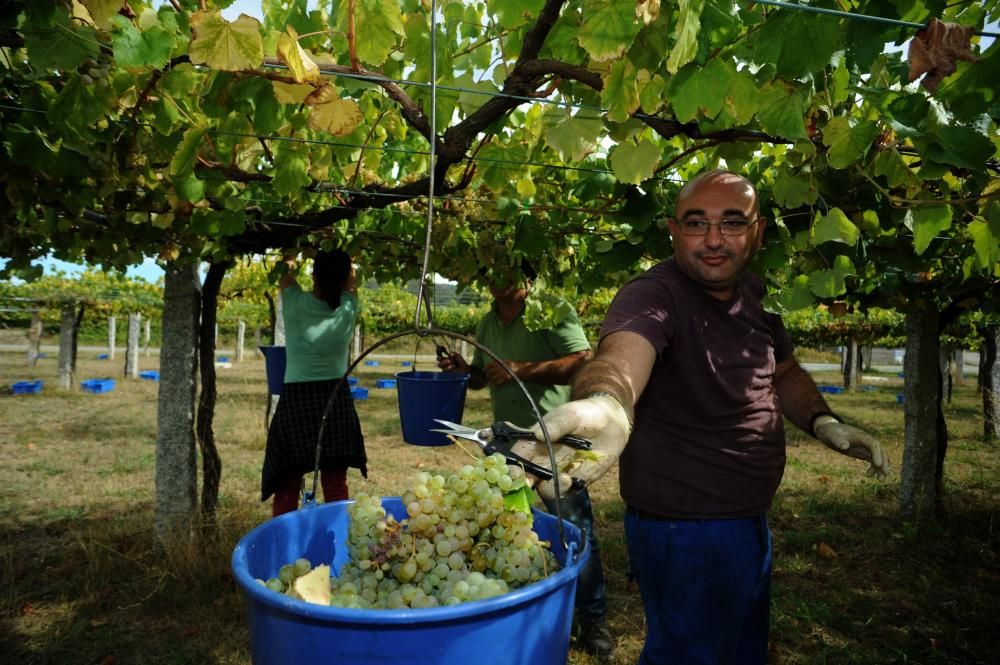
695	377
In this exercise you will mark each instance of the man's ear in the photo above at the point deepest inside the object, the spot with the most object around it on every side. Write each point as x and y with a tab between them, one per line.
761	223
672	227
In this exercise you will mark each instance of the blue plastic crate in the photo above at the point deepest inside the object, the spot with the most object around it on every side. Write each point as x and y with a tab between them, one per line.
833	390
223	359
900	398
98	385
407	363
27	387
359	393
385	383
102	356
371	363
150	375
352	380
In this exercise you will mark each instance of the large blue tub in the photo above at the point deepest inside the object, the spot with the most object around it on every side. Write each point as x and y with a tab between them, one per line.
526	626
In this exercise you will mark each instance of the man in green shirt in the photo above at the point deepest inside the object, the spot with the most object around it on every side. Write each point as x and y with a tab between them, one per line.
545	360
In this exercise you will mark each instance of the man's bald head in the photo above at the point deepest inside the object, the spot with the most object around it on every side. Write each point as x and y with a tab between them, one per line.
714	178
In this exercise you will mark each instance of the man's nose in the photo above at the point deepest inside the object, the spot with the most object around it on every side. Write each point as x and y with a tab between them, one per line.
714	236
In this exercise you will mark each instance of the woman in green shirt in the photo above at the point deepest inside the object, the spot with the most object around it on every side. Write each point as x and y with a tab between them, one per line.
318	329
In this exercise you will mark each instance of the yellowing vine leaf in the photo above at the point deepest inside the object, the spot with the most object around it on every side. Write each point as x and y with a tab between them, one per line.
290	52
688	26
220	44
332	114
291	93
101	11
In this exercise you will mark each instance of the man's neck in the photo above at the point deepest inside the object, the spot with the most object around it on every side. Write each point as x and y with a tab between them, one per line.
507	310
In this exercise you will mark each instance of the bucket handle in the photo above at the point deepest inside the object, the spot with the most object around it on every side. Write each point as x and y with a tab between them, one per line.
309	497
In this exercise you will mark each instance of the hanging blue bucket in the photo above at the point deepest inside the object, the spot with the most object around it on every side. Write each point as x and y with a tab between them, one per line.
425	396
529	625
274	364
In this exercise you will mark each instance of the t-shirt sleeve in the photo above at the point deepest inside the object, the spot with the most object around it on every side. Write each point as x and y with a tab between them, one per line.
783	347
643	306
568	336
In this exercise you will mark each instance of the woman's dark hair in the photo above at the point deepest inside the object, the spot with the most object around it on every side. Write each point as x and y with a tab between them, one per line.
330	270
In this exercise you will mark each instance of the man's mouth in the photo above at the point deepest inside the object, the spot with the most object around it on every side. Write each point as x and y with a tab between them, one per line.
713	259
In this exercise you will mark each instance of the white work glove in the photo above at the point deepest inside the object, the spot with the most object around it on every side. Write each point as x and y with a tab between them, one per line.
599	419
853	442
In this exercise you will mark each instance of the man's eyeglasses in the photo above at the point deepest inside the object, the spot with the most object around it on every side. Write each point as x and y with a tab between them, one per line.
728	227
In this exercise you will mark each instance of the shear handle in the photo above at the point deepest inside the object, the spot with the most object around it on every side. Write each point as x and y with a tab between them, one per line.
514	458
504	430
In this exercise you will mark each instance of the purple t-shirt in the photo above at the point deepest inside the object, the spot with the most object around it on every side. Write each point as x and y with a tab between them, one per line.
708	440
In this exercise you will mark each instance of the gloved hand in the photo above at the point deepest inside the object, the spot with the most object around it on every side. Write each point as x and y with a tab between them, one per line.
599	418
853	442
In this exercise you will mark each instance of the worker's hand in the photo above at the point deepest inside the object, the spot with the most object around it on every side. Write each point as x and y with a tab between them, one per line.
496	375
600	419
453	362
853	442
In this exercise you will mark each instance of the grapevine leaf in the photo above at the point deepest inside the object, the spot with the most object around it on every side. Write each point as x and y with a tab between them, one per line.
781	110
792	191
186	154
701	91
292	168
688	25
848	144
330	113
378	24
651	94
829	283
890	165
150	48
515	13
573	137
543	310
291	93
190	188
796	296
102	11
609	29
225	45
75	108
985	243
302	67
520	500
741	101
60	46
926	222
620	94
797	42
835	227
634	163
960	146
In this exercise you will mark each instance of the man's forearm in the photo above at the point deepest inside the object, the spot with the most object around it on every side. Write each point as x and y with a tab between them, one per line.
601	376
800	399
556	372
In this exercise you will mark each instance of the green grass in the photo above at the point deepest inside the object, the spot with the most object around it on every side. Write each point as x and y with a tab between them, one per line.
82	581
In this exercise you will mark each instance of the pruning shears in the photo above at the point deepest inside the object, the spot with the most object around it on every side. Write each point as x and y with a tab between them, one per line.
500	436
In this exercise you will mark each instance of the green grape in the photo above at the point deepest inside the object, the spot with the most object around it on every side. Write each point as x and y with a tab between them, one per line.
301	567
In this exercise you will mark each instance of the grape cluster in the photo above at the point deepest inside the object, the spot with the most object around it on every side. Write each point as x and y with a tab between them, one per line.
287	574
458	543
93	72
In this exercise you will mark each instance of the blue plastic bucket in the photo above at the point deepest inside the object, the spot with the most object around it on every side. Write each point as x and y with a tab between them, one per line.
425	396
529	625
274	365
